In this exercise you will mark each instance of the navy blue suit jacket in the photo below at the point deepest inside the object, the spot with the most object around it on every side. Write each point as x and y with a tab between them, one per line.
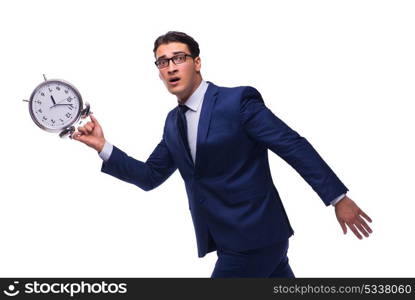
232	199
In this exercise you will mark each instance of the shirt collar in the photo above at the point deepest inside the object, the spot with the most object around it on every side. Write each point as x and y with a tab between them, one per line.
196	98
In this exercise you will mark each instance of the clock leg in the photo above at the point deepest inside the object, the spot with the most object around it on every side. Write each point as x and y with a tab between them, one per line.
67	132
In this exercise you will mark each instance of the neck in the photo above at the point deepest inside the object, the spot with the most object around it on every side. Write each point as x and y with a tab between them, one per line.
183	100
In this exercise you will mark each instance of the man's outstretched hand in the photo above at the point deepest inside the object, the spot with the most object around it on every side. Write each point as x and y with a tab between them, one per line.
90	134
348	213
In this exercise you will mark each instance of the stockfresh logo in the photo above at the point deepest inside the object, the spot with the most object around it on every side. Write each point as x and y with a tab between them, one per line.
12	289
68	288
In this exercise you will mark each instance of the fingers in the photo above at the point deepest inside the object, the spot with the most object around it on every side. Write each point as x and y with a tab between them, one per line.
94	120
361	228
361	224
78	136
95	123
343	225
354	230
364	224
350	214
357	226
88	128
365	216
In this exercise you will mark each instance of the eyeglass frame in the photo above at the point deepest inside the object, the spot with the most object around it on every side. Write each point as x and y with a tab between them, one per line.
171	59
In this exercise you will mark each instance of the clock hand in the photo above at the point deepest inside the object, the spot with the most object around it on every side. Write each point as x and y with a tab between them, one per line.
53	100
61	104
66	99
54	104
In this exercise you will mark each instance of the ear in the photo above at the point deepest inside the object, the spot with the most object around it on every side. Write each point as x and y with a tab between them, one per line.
198	64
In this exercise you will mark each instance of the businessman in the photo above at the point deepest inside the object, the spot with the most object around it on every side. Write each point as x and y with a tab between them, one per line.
218	138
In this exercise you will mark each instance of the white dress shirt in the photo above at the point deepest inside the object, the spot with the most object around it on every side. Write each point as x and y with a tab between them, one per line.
194	103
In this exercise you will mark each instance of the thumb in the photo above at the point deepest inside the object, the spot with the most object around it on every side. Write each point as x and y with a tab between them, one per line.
94	120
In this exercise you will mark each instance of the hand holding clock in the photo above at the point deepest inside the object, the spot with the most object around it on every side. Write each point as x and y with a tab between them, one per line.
91	134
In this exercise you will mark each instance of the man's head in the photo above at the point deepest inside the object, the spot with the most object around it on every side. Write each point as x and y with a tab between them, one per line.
177	57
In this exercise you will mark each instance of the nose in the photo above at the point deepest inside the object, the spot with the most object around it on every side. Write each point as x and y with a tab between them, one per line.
172	68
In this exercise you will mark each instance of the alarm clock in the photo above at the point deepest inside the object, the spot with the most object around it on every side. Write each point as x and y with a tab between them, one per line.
56	106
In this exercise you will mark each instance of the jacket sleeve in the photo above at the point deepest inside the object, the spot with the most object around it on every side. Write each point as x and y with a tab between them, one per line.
146	175
264	127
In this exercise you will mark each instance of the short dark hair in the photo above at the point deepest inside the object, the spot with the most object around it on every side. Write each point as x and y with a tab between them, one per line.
177	36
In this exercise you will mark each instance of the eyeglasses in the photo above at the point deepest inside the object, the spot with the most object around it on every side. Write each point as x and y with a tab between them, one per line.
177	60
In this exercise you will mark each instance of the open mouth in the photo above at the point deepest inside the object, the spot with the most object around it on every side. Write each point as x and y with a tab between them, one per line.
174	79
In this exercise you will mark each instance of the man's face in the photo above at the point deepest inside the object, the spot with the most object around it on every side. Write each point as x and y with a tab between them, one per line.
181	79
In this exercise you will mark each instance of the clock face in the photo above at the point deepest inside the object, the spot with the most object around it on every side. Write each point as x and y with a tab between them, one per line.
55	105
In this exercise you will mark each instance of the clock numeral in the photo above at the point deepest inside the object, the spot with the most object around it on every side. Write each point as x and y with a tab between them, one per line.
68	115
38	102
69	99
66	91
70	107
44	118
61	120
50	90
58	88
42	94
39	110
53	121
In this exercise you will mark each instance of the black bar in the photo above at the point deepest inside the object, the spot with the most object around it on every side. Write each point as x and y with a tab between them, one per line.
206	288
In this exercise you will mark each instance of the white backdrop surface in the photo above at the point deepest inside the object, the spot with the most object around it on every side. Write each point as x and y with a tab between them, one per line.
341	73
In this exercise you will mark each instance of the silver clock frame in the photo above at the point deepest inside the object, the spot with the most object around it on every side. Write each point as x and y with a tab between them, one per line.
82	112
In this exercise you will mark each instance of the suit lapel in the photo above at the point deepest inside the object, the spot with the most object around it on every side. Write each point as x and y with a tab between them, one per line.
204	119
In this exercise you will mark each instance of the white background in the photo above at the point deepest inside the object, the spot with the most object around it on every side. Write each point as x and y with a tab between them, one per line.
341	73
